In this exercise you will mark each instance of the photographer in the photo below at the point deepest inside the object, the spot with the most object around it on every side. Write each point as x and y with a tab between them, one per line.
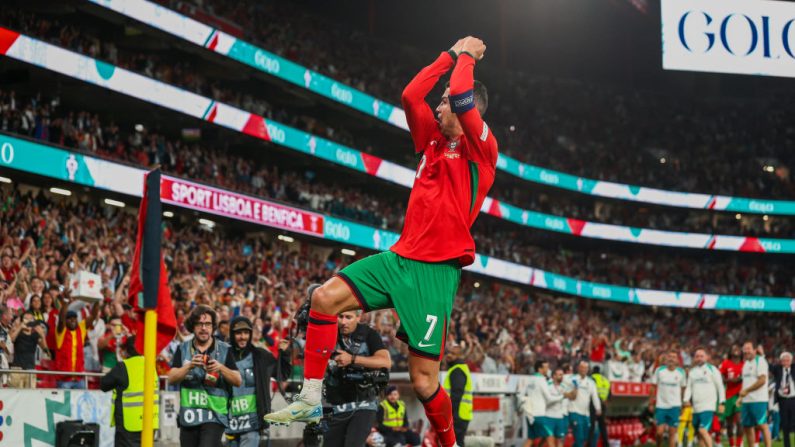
205	370
353	381
251	401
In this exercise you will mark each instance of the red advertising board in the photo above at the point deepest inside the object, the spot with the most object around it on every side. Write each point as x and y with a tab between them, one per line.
628	389
237	206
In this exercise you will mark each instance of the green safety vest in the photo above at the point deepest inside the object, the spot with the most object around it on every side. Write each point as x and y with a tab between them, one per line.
198	403
602	386
465	408
243	406
393	417
132	398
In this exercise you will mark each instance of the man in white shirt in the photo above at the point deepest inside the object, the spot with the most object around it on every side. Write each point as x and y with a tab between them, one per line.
636	368
705	392
617	368
666	397
580	407
753	396
558	409
537	397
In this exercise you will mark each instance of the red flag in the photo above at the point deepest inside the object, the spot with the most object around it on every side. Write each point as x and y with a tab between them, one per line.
148	280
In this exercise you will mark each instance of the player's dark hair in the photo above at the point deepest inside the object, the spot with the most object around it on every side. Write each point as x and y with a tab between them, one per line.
481	95
540	364
196	314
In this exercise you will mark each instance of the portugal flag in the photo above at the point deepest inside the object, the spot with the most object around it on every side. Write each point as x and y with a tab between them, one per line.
148	275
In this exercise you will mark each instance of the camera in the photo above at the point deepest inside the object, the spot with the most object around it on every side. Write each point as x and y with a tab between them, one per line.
378	378
302	314
365	383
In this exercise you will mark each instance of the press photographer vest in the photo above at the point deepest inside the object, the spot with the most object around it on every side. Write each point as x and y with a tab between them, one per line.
336	393
243	407
199	403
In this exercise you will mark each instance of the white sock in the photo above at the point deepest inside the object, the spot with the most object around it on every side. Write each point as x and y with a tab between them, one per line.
312	391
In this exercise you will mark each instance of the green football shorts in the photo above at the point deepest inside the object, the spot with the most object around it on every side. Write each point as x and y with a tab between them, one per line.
730	407
422	293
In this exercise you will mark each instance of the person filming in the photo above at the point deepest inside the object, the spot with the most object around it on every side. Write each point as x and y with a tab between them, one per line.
354	378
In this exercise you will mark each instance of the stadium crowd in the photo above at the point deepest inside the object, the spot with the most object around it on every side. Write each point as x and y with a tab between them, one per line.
46	237
45	118
39	118
647	133
592	130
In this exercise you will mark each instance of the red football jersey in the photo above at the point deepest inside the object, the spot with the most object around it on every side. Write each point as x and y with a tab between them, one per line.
453	176
731	370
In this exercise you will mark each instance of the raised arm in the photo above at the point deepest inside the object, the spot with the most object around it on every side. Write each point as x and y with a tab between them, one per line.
463	103
418	113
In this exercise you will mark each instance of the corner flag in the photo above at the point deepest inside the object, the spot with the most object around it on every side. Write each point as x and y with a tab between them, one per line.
148	275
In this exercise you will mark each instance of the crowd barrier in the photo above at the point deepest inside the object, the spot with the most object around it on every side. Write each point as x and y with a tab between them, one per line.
28	415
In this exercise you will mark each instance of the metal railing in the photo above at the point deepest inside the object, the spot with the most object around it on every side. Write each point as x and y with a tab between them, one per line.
84	375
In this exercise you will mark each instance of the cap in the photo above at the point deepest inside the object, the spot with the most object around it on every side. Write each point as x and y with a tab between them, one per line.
240	324
390	389
71	314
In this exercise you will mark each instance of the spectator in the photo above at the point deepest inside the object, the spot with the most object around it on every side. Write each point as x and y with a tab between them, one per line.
28	337
70	339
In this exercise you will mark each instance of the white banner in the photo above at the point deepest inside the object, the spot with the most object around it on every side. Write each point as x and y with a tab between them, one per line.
29	417
729	36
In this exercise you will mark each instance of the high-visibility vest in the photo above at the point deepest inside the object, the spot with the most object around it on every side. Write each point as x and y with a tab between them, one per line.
243	405
199	403
393	417
602	386
132	398
465	408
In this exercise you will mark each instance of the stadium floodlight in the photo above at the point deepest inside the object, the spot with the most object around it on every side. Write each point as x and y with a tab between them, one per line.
168	214
347	251
61	191
112	202
207	223
5	180
285	238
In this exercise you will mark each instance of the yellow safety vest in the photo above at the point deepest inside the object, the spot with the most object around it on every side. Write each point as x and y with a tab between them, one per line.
132	398
393	418
465	408
602	386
